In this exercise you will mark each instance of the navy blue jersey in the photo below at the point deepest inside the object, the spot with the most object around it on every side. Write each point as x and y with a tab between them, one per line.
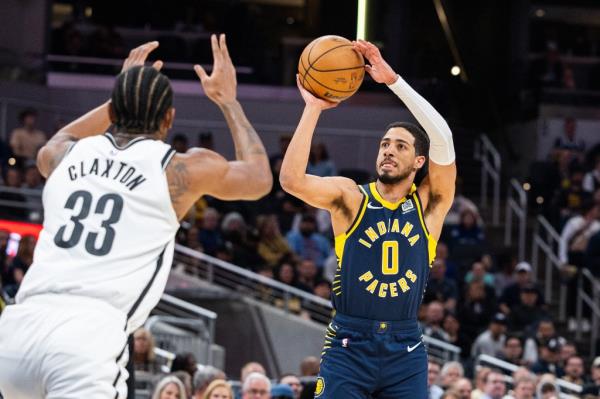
383	259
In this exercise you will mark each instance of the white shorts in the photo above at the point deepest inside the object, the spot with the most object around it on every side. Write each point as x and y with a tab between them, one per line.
59	346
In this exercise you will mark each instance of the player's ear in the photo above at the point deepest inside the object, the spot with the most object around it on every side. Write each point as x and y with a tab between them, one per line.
169	119
111	113
420	161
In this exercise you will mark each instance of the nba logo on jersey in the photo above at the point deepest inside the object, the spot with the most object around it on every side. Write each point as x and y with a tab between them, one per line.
407	206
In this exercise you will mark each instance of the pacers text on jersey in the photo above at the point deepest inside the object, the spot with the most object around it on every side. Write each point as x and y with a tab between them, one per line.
107	168
389	262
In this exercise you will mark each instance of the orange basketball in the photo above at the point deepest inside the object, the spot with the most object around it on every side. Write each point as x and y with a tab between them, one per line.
331	69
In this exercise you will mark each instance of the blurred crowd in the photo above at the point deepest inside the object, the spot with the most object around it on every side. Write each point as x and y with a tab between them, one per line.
479	299
184	378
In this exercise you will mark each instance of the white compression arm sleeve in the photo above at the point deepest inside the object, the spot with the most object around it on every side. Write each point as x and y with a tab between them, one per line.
441	148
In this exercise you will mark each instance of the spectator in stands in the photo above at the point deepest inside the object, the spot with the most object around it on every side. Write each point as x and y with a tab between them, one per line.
480	380
467	241
512	351
524	388
495	386
307	275
284	142
25	141
527	313
441	253
203	378
463	388
294	382
319	162
545	331
13	179
432	325
440	288
547	388
186	362
505	276
249	368
575	370
571	196
569	142
169	388
256	385
594	387
479	272
549	359
511	296
272	246
205	140
577	232
591	180
491	341
450	395
459	204
307	243
209	234
455	335
218	389
282	391
286	273
309	367
567	349
433	376
21	262
451	372
186	380
144	358
33	179
180	143
477	310
322	289
237	238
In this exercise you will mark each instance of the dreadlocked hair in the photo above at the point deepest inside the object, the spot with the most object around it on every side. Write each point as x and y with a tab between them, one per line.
140	99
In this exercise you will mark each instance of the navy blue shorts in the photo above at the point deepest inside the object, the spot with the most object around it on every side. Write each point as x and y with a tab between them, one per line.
366	358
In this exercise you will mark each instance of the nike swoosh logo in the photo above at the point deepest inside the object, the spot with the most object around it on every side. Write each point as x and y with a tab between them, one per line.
373	206
412	348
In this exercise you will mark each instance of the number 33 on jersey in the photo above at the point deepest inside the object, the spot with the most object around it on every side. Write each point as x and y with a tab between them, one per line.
91	244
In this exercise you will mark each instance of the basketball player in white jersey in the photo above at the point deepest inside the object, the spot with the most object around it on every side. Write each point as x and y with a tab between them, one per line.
113	205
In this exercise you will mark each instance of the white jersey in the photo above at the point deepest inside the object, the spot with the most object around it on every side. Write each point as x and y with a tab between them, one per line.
109	227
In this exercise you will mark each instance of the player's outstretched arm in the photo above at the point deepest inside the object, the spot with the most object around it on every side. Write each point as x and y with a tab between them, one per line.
329	193
437	191
96	121
249	176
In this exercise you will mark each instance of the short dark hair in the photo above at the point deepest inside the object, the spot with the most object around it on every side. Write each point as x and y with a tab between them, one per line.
421	138
140	99
27	112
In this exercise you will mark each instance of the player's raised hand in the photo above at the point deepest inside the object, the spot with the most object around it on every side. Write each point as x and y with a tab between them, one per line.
138	56
220	85
380	71
310	99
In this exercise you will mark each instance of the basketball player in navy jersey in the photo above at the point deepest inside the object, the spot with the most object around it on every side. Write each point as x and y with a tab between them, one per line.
385	239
